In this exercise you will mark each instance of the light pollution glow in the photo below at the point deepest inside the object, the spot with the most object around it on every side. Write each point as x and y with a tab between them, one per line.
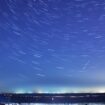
63	90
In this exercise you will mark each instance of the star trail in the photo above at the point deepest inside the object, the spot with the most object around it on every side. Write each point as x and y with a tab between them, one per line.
52	45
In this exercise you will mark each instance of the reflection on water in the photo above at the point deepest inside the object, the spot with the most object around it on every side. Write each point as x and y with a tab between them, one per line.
69	104
61	104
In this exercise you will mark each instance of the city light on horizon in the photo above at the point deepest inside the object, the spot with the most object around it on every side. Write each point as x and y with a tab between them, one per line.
63	90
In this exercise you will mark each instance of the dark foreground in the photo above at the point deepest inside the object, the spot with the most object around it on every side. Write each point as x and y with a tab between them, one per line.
53	98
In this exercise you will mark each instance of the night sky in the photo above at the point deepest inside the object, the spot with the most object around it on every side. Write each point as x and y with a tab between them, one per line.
52	45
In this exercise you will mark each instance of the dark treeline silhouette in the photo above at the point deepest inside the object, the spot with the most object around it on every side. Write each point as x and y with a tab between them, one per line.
53	98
